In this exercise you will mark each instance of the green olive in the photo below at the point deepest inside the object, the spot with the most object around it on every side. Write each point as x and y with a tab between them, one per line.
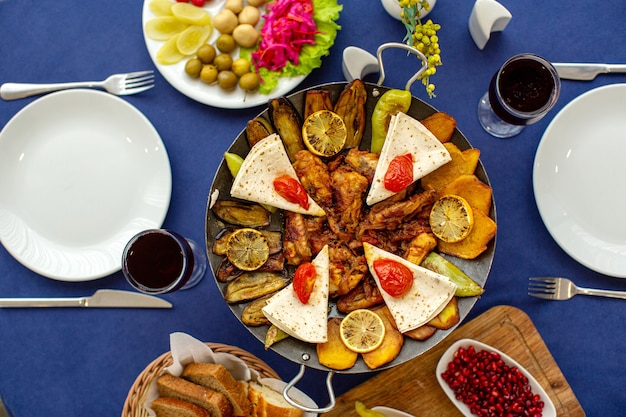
193	67
249	81
240	66
223	62
227	80
225	43
206	53
209	74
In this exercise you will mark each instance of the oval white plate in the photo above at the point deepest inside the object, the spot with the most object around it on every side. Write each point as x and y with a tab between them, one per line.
442	365
578	179
211	94
81	172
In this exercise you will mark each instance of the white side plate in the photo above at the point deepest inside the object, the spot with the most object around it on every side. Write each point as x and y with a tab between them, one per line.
578	179
81	172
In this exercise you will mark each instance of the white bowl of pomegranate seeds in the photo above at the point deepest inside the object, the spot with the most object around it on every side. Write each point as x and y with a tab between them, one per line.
482	381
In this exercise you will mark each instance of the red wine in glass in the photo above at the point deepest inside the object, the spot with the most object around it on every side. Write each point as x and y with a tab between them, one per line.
522	92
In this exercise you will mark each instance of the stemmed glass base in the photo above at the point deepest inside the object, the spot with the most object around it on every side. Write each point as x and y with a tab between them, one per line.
492	123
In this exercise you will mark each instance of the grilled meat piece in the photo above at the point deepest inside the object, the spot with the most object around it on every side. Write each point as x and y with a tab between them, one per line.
314	176
365	295
349	188
362	162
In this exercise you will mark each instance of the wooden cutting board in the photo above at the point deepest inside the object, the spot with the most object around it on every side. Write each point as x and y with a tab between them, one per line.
413	387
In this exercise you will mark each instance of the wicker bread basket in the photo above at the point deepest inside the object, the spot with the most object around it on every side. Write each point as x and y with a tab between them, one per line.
133	406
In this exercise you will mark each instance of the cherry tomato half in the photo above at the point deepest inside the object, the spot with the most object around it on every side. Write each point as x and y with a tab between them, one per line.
399	175
395	279
303	281
291	190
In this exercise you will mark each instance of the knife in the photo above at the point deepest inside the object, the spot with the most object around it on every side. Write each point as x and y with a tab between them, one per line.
586	72
100	299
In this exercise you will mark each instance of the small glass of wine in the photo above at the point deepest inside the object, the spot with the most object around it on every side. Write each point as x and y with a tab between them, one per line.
159	261
521	92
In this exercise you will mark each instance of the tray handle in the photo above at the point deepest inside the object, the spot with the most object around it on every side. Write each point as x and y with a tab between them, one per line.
410	49
329	386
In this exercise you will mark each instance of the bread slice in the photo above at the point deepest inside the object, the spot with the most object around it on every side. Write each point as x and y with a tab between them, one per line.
173	407
214	402
217	378
268	403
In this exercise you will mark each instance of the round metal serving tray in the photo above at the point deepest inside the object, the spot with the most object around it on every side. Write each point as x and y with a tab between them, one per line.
305	353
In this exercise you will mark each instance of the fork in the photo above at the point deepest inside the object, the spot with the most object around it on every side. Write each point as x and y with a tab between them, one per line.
118	84
564	289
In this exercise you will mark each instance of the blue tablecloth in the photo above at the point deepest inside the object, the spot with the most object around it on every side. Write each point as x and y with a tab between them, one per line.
65	362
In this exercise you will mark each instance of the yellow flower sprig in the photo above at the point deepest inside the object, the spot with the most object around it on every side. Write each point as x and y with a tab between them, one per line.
423	37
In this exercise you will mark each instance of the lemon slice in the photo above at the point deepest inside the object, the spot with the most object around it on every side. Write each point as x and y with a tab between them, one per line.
451	218
324	133
191	14
247	249
362	330
193	38
168	53
161	7
164	27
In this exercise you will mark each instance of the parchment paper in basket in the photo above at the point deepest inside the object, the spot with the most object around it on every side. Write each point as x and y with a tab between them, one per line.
186	349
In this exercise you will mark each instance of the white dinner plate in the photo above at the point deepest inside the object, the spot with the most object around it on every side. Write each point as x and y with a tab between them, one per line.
578	179
211	94
81	172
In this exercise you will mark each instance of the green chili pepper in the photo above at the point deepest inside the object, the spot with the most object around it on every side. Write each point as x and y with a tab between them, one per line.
466	287
233	162
390	103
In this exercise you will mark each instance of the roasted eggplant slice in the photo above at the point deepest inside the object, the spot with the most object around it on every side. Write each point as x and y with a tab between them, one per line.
257	129
316	100
252	314
351	107
288	125
252	285
240	214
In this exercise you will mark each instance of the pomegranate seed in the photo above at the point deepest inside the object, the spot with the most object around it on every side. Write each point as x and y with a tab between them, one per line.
198	3
489	387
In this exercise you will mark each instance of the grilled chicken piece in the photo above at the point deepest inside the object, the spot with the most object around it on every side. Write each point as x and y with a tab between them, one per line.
362	162
365	295
346	269
296	246
391	215
314	176
349	188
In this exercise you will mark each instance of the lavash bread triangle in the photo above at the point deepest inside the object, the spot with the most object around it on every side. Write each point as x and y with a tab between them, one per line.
217	378
266	161
307	322
428	295
268	403
173	407
214	402
406	135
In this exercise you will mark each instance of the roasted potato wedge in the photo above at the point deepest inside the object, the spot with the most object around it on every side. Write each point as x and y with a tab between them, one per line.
351	107
391	346
477	193
252	285
448	317
441	125
288	125
240	214
333	353
476	242
463	162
